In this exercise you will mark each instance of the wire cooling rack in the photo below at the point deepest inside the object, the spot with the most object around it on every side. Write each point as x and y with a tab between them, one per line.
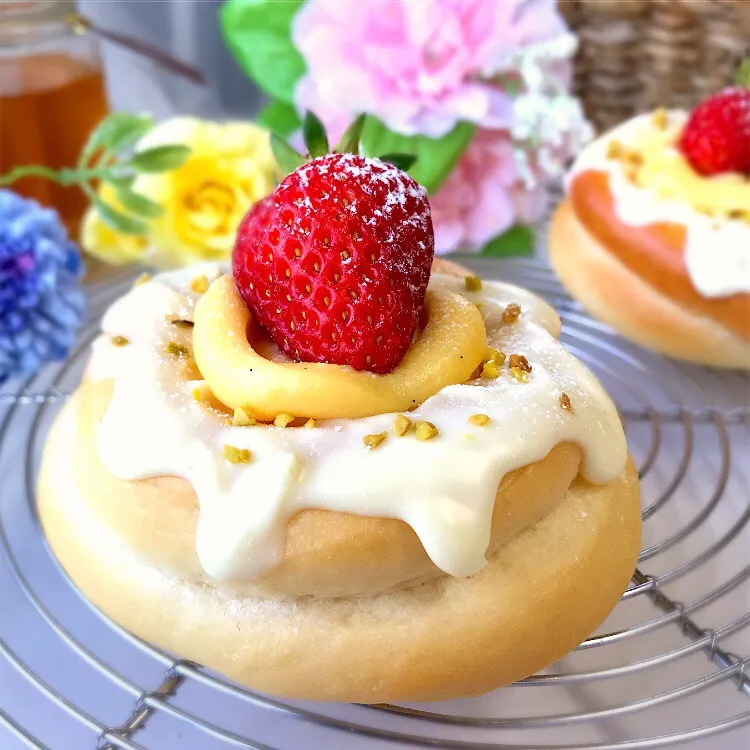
670	666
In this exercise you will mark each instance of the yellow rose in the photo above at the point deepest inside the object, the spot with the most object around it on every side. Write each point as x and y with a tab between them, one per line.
230	168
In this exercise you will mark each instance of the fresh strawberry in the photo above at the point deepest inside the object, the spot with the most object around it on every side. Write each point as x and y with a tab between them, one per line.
335	263
716	138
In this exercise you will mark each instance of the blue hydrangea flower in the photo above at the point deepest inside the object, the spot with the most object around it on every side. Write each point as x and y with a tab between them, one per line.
41	302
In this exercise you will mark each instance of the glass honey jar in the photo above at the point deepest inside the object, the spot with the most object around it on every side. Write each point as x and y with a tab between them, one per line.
52	94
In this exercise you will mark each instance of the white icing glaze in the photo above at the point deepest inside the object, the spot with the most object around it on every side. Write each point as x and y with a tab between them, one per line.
717	251
444	488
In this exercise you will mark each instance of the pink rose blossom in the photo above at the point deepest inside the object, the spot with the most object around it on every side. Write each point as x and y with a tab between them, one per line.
483	196
420	65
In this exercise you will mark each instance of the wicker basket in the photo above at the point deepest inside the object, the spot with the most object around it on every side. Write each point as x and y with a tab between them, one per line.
635	55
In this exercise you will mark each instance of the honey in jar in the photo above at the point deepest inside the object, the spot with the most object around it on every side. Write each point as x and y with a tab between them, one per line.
52	95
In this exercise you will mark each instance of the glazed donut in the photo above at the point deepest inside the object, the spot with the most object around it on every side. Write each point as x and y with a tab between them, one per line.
653	249
434	565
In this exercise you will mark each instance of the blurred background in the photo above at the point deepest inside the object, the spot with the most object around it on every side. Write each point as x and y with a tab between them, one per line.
633	55
187	29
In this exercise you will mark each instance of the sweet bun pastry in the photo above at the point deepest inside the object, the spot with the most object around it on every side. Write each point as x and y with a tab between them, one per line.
655	248
323	531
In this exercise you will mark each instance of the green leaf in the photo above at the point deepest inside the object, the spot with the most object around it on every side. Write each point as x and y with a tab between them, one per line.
315	136
115	132
280	118
258	33
404	162
349	143
742	77
120	182
117	220
518	240
286	157
435	156
160	158
137	203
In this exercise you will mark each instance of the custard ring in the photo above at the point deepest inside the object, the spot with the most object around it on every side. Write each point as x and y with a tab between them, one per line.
241	378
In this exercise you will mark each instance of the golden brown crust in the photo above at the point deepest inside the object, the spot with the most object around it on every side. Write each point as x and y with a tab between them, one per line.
327	553
622	299
540	595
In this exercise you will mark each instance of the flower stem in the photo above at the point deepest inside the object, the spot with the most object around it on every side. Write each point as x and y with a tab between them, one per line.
61	176
30	171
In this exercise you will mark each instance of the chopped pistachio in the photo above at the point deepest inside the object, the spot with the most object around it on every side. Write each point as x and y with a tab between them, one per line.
425	430
511	313
176	350
519	361
615	150
401	425
479	419
634	157
199	284
631	173
142	279
522	376
660	119
493	355
373	441
565	402
490	370
237	455
120	340
473	283
243	418
310	423
282	420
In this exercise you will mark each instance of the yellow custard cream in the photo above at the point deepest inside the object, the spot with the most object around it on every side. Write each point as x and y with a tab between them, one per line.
652	182
447	352
443	485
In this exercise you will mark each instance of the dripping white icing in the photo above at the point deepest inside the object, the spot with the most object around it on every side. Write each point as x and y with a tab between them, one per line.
444	488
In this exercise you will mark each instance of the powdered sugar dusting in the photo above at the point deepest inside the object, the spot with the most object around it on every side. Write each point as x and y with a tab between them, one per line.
373	171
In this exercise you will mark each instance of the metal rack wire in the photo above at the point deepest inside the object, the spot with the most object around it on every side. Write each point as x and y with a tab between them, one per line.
666	668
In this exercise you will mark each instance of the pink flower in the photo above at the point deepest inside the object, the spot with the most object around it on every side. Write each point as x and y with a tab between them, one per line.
422	66
483	196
